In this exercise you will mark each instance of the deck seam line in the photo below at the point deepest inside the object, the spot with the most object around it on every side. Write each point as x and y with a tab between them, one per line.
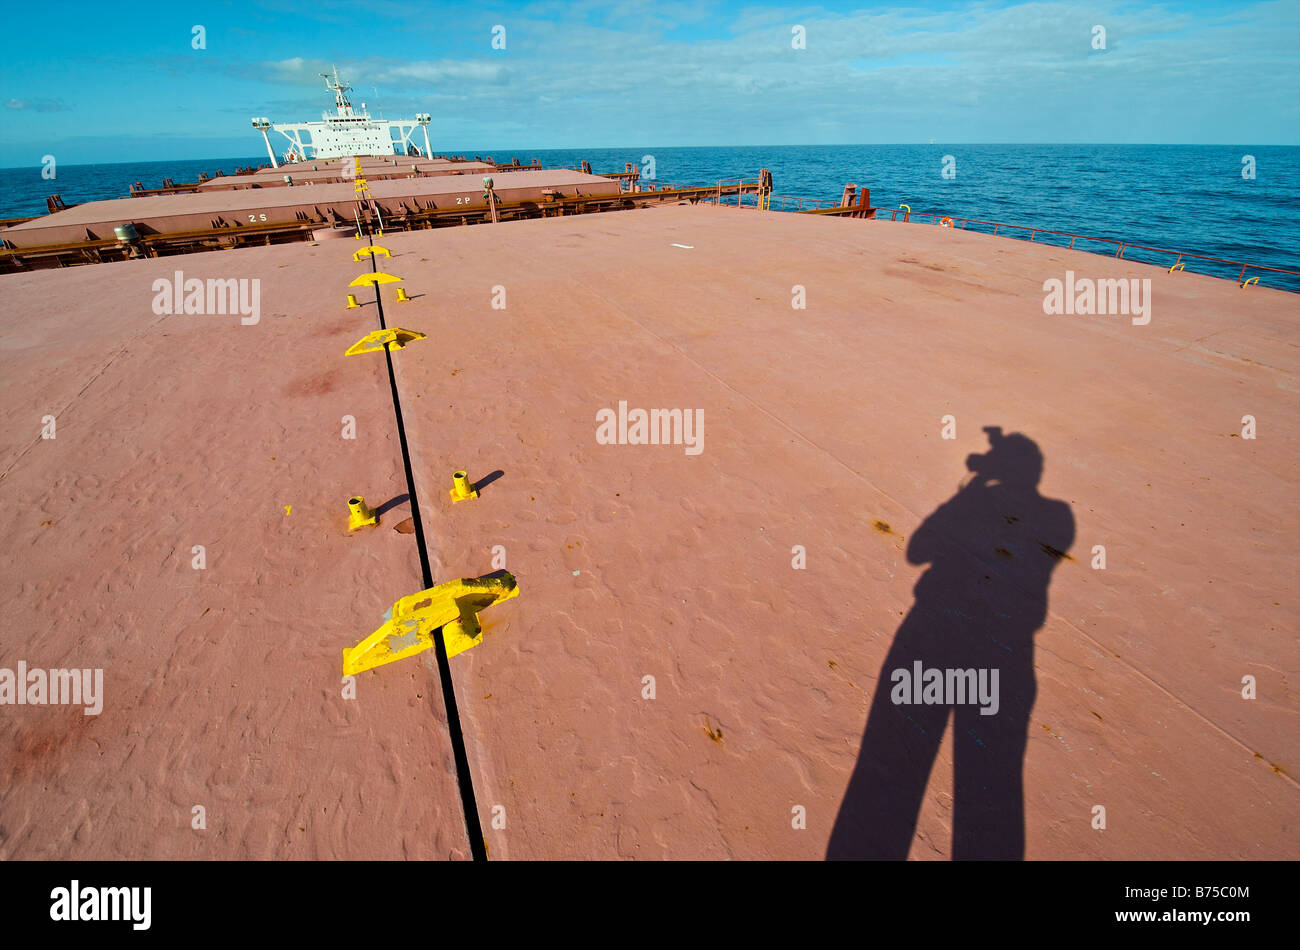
455	731
81	392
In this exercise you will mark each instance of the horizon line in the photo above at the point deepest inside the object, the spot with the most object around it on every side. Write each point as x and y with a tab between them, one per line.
611	148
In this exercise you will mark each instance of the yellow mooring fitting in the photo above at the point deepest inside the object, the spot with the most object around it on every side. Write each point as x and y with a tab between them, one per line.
394	338
352	302
359	515
357	235
401	295
453	606
371	249
1249	281
1178	266
369	280
461	489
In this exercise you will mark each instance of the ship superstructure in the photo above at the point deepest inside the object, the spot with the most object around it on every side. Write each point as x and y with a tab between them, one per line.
345	132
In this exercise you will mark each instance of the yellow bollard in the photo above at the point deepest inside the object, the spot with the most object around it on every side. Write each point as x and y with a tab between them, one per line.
461	490
357	236
359	515
352	302
401	295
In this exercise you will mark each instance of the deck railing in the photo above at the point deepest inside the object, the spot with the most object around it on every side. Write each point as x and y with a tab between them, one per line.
1121	247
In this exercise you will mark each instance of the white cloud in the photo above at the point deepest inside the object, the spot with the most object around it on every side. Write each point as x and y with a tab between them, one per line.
37	105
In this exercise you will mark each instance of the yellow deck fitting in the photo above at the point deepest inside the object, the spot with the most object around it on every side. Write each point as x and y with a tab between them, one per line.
369	280
461	490
371	249
1249	281
359	515
357	236
352	302
1178	266
401	295
453	606
394	338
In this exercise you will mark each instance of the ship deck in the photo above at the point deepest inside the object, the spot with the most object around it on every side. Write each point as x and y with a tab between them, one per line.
232	208
373	168
823	432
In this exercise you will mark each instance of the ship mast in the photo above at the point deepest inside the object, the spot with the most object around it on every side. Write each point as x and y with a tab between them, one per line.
341	104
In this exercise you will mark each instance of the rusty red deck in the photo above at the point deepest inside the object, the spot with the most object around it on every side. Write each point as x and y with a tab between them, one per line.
823	440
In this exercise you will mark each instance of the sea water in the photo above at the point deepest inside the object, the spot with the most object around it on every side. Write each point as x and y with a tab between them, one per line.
1192	198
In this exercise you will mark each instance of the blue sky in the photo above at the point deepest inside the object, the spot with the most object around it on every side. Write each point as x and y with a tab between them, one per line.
108	82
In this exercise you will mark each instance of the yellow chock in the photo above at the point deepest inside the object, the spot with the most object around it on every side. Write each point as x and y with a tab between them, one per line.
453	606
394	338
352	302
359	515
369	280
461	490
401	295
371	249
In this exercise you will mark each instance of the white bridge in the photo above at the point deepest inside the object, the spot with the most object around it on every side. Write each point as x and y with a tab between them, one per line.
345	132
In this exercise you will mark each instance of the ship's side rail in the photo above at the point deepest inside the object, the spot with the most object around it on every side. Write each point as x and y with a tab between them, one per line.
1120	247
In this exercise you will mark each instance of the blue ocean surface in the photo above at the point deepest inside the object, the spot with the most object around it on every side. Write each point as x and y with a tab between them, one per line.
1191	198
